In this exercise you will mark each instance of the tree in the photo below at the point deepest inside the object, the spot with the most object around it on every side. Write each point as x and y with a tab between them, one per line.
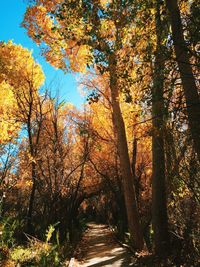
24	77
107	163
159	203
85	34
186	73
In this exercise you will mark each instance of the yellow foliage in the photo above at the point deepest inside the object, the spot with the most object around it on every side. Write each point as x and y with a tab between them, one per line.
18	67
43	28
8	106
79	59
20	79
105	3
108	29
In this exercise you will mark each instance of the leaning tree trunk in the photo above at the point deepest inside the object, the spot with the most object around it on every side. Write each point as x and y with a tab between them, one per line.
128	187
188	80
159	204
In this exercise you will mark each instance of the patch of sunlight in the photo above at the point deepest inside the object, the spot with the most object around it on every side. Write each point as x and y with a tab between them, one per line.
117	249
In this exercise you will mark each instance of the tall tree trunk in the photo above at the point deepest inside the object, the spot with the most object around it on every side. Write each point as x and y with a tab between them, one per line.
128	187
31	200
136	181
188	80
159	206
33	170
134	156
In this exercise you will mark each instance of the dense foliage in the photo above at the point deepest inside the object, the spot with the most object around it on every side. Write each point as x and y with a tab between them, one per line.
129	158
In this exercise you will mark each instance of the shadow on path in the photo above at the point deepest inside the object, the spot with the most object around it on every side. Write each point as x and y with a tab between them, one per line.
99	248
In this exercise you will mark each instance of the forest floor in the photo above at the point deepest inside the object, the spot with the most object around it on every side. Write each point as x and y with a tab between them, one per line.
99	247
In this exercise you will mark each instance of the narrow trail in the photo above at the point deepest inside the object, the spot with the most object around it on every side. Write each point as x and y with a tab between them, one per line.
99	248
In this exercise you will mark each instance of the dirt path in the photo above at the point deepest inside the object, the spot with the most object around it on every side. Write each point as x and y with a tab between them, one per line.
99	248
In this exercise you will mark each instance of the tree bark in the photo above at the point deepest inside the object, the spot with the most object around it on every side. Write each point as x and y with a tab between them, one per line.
159	204
128	187
188	80
134	157
136	181
31	200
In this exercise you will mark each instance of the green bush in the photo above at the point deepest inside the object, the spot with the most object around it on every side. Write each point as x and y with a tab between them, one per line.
38	253
8	230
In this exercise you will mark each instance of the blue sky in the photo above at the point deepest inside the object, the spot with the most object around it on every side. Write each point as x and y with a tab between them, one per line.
11	15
